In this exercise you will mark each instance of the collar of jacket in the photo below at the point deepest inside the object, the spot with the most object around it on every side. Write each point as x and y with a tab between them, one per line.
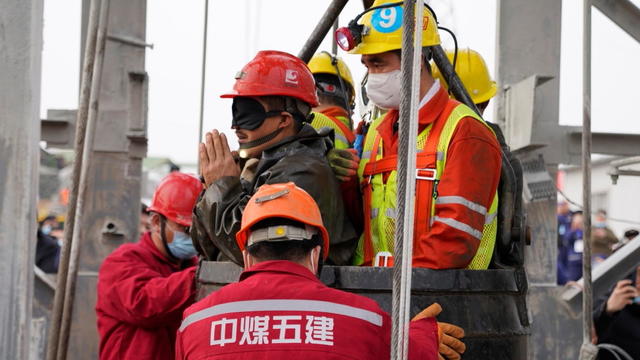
335	111
427	115
307	137
147	242
282	267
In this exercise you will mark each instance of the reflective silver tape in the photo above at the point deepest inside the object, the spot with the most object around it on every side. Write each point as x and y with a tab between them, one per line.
374	212
439	156
459	226
490	218
390	212
341	138
283	305
366	154
462	201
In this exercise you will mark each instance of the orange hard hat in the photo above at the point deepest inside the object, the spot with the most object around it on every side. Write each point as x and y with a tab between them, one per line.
176	196
282	201
275	73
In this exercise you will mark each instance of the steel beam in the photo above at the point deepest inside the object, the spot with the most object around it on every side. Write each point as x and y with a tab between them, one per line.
20	76
606	143
523	27
528	44
622	12
321	29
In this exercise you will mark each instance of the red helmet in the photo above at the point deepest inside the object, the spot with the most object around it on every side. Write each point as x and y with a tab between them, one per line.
175	197
275	73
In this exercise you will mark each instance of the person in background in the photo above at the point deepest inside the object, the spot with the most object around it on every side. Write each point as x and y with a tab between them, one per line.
570	252
48	224
145	217
602	238
144	287
47	247
564	215
616	317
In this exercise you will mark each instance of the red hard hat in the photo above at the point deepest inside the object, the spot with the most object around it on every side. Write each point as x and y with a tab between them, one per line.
175	197
275	73
281	201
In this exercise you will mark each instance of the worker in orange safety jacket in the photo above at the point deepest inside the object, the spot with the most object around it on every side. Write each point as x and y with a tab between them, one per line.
336	97
280	309
144	287
458	161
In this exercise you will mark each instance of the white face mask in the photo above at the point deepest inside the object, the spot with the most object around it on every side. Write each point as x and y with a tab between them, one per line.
384	89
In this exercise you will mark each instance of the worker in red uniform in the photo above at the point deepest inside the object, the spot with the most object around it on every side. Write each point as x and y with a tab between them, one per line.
279	309
458	162
143	288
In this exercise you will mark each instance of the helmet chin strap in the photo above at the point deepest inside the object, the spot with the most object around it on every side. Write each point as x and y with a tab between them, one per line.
258	142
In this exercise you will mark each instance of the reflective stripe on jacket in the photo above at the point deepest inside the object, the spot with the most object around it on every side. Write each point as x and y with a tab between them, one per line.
280	310
458	171
140	300
338	120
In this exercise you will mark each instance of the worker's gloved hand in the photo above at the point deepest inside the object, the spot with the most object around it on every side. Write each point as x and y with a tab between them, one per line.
344	163
450	347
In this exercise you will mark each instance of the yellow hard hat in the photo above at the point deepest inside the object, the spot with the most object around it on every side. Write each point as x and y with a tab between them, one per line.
473	73
382	30
323	63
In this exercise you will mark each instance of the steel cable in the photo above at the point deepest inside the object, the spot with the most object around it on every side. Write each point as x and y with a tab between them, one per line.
408	128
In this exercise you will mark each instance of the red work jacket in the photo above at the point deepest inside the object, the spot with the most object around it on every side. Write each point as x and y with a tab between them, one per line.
141	297
465	192
280	310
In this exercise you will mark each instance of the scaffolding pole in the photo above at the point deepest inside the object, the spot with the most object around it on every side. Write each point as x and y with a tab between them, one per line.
204	73
81	124
321	30
408	130
588	351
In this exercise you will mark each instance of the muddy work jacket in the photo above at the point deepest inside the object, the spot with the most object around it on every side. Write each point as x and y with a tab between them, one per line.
338	119
141	297
299	159
457	174
280	310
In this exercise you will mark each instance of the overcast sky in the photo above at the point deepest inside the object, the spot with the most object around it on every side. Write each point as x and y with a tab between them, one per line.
239	28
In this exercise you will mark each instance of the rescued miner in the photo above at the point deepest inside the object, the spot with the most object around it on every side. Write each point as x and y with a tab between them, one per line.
272	101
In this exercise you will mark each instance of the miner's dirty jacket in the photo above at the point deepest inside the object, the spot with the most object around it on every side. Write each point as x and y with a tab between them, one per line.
141	297
299	159
280	310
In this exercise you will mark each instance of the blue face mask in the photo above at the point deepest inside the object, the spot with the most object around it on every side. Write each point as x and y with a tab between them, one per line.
182	246
46	229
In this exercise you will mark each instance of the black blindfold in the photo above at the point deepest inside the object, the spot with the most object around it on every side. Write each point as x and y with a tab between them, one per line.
249	114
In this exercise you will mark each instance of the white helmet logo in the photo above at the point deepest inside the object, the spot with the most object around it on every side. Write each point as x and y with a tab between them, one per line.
291	77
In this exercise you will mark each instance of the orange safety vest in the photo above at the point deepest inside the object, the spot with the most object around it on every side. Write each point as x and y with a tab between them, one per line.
429	169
